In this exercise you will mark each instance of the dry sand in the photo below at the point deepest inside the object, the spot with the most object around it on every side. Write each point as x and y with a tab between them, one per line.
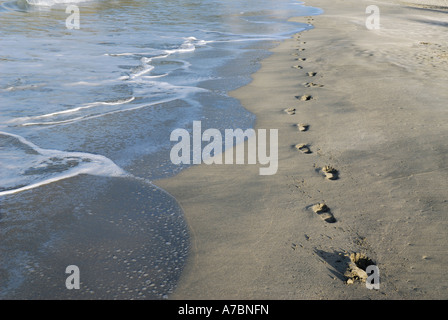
379	116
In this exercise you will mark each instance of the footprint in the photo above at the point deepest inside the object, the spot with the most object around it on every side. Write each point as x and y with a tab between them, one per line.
301	59
304	97
320	208
312	84
303	126
324	212
290	111
297	67
356	270
303	147
311	74
330	172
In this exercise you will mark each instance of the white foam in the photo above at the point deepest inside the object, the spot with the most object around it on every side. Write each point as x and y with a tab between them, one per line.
113	112
119	54
187	46
88	163
68	111
155	77
146	68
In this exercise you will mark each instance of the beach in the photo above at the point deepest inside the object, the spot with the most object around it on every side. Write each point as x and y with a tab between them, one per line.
91	92
350	96
376	112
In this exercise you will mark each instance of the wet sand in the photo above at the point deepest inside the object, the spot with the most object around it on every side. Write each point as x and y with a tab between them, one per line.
377	115
128	239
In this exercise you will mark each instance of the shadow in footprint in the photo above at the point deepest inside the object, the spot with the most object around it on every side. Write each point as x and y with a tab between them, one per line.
337	260
304	148
323	211
304	97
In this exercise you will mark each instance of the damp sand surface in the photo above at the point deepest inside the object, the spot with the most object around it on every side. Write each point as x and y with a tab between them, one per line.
379	118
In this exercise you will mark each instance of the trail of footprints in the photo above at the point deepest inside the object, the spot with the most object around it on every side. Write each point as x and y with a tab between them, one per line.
329	172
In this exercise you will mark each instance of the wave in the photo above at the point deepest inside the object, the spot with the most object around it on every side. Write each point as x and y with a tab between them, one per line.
25	166
88	106
161	92
189	45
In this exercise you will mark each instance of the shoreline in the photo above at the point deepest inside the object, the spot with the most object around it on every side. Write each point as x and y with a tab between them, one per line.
64	211
379	119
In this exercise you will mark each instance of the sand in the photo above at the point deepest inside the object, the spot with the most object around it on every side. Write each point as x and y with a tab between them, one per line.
378	114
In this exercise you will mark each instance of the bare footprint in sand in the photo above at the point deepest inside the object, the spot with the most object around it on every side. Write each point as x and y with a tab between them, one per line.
356	270
301	59
290	111
312	84
330	173
320	208
311	74
324	212
303	148
297	67
303	126
304	97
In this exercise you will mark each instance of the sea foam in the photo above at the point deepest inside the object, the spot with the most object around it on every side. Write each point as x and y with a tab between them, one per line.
24	166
